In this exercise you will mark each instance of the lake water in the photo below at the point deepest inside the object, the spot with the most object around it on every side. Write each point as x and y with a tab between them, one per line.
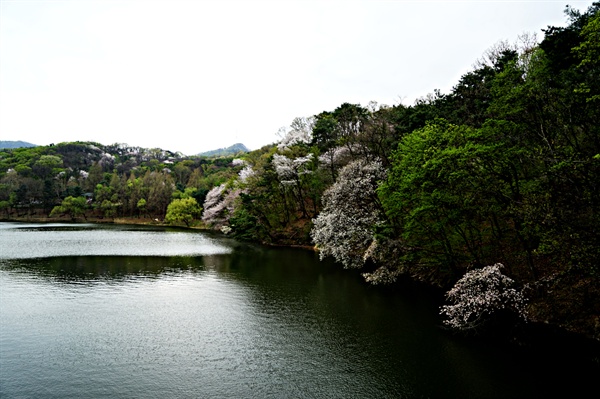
97	311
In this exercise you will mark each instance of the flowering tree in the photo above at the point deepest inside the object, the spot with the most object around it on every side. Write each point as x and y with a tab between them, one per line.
219	205
344	229
335	158
291	172
300	131
479	294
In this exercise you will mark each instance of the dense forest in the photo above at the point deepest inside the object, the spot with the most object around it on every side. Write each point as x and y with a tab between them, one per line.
490	192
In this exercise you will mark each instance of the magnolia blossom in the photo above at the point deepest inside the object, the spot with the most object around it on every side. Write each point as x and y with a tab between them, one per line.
335	156
288	170
300	131
344	229
106	160
246	173
478	294
383	275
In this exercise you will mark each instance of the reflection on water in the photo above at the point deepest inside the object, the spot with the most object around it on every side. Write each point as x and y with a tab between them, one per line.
31	241
242	321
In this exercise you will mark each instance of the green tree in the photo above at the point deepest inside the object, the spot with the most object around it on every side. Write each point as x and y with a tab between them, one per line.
48	166
588	52
183	210
141	206
455	195
72	206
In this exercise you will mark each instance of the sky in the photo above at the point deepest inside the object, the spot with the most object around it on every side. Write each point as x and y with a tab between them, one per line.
191	76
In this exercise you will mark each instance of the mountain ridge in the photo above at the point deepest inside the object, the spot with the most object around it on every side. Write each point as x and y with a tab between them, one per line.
15	144
231	150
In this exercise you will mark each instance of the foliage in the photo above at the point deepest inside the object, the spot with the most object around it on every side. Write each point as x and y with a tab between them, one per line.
454	194
183	210
73	206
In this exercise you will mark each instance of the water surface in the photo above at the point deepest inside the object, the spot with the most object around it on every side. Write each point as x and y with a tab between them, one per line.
91	311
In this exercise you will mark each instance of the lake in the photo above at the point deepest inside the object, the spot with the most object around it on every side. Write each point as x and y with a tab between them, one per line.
107	311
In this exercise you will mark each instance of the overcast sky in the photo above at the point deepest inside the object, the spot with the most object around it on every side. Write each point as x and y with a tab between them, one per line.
192	76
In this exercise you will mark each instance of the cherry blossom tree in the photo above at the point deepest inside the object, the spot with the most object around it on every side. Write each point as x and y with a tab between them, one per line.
219	205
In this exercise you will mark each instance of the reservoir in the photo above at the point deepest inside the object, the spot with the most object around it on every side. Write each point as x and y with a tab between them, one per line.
109	311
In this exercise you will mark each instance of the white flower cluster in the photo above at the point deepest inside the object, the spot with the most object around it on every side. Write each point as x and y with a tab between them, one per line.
106	160
288	170
344	229
382	275
300	132
478	294
336	156
246	173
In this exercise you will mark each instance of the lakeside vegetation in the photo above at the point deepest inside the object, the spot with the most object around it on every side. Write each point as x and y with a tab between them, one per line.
491	191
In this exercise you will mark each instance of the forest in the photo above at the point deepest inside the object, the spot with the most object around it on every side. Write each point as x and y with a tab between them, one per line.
490	192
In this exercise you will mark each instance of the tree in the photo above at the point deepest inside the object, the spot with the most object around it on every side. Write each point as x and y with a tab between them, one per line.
73	206
480	294
292	174
47	166
588	53
219	205
160	188
300	131
141	206
5	205
345	229
324	134
183	210
458	196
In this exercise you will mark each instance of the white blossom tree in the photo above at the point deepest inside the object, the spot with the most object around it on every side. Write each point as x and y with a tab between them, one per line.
219	205
245	173
300	131
289	170
291	173
344	229
479	294
335	158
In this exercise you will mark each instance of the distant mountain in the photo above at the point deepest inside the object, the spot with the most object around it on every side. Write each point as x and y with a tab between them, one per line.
232	150
15	144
